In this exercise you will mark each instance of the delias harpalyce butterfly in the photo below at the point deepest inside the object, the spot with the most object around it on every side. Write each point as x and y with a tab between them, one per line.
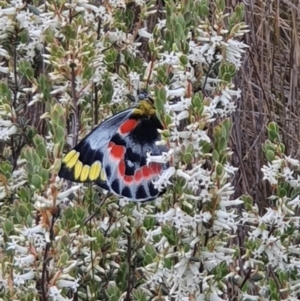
114	154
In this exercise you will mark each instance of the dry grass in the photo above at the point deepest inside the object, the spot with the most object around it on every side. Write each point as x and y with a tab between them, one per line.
269	82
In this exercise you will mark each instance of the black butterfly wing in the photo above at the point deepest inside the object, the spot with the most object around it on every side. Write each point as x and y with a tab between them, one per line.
114	154
84	162
126	161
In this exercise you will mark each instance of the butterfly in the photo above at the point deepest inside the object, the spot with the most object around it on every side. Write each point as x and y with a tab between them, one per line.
114	154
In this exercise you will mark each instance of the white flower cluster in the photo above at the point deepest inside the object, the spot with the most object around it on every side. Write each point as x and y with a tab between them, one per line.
200	217
7	128
192	269
271	246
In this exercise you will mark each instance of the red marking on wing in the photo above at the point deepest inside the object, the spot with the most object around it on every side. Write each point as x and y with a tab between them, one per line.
128	126
146	171
117	151
138	175
122	168
155	168
128	179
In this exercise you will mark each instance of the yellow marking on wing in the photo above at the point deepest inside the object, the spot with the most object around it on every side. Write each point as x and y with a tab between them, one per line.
144	108
72	161
84	173
78	168
69	156
95	171
103	175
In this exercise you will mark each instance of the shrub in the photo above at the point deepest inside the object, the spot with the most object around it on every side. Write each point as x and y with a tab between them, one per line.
65	67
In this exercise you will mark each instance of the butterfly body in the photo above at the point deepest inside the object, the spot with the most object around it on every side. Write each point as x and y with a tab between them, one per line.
114	154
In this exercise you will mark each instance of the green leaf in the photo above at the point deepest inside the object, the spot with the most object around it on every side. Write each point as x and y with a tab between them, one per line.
150	250
179	33
122	275
162	94
270	155
203	9
44	86
42	151
226	77
44	174
160	98
23	210
65	240
24	194
36	161
248	201
282	148
111	56
139	295
218	132
240	11
112	290
49	36
37	140
147	259
273	135
171	234
220	170
59	134
205	146
273	126
220	5
64	257
162	75
222	144
149	222
282	192
26	70
8	227
215	155
37	181
227	125
70	32
184	60
187	158
190	148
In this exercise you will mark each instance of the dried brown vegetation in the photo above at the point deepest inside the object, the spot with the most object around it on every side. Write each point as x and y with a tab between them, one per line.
269	82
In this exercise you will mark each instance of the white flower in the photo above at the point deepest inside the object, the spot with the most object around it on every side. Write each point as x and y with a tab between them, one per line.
12	245
144	33
271	173
294	202
163	158
164	179
19	279
29	232
55	294
234	51
230	169
287	173
293	162
295	182
61	283
8	11
170	59
165	217
178	106
23	261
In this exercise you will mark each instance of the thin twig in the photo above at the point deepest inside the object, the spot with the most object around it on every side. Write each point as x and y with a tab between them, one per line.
127	298
44	280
